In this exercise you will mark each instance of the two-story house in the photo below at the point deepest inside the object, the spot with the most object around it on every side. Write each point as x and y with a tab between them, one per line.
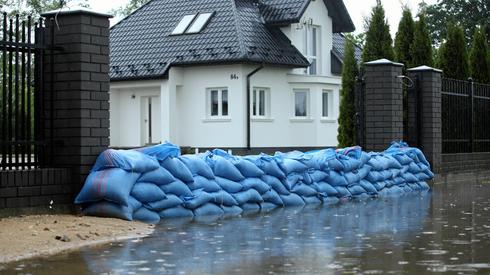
228	73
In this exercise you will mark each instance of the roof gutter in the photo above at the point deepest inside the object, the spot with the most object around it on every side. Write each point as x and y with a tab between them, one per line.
249	92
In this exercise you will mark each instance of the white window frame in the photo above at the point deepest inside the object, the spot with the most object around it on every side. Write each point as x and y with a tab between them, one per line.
308	109
255	103
209	106
312	50
330	114
200	22
183	24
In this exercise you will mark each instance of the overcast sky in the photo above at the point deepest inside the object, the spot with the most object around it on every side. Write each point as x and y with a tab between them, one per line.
358	9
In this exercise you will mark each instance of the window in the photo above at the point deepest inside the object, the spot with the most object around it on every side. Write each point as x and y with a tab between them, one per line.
300	103
217	102
183	24
192	23
327	104
199	23
260	102
312	44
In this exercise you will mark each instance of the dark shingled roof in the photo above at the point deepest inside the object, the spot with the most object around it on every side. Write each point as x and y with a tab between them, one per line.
338	40
141	47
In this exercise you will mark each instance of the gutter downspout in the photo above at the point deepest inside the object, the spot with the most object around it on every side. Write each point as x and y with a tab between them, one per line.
248	101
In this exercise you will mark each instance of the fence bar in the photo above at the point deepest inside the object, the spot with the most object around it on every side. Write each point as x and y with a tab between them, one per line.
29	94
10	100
4	92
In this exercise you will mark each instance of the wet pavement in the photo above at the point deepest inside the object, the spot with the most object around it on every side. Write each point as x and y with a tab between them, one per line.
446	230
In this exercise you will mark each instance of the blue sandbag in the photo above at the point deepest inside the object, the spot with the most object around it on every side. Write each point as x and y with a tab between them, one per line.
409	177
343	192
406	188
292	200
232	210
177	168
395	172
228	185
336	179
128	160
325	188
161	151
251	207
112	210
251	195
414	168
169	202
312	200
158	176
289	166
256	184
402	158
374	176
389	183
370	189
276	184
386	174
198	199
208	209
147	192
356	190
146	216
352	178
176	212
335	164
224	168
223	198
291	180
111	184
177	188
380	185
395	191
197	166
272	197
393	163
268	206
399	180
204	184
330	200
423	185
317	176
364	171
348	163
247	168
267	164
304	190
422	176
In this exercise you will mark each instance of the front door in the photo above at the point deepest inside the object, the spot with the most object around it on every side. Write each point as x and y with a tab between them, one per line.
150	132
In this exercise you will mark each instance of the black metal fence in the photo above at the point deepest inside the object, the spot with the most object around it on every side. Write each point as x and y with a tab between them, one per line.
21	93
465	116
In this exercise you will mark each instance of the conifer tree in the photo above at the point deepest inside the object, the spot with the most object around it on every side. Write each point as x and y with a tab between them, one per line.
421	49
404	38
479	67
378	39
453	56
347	125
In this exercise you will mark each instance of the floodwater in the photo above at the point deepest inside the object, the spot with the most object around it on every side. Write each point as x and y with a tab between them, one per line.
446	230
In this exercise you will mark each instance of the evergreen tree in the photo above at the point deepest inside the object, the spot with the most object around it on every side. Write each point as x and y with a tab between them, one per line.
453	56
378	39
421	50
404	38
347	125
480	71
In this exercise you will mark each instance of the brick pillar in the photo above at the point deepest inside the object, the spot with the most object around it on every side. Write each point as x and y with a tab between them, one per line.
430	86
80	91
383	104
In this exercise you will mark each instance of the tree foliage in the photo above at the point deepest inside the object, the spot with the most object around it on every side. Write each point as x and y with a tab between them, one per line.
34	8
404	38
421	49
453	57
479	66
378	39
130	7
468	13
347	125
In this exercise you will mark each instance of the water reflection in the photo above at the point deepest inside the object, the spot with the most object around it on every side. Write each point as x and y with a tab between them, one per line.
445	231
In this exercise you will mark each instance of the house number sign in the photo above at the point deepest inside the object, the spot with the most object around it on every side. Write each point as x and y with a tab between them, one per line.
233	76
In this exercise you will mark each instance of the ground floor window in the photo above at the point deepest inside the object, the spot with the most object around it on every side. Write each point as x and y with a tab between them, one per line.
260	102
327	103
301	105
217	102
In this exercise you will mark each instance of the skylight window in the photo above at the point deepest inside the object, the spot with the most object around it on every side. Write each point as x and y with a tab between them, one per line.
184	24
199	23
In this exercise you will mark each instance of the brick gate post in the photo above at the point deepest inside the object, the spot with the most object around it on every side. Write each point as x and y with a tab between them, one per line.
79	95
383	104
430	87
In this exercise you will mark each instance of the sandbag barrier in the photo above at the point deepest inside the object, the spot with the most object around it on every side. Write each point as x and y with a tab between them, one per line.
153	183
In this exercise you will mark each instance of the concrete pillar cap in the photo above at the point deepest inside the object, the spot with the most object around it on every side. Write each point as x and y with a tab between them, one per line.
75	10
424	68
383	61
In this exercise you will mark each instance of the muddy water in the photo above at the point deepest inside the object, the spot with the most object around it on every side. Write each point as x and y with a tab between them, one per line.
447	230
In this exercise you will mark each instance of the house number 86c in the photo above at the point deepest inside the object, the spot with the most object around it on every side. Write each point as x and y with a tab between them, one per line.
233	76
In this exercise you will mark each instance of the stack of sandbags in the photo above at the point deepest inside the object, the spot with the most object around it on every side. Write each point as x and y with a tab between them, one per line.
151	183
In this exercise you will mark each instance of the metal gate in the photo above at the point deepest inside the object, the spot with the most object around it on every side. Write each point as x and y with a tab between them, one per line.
22	101
360	119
